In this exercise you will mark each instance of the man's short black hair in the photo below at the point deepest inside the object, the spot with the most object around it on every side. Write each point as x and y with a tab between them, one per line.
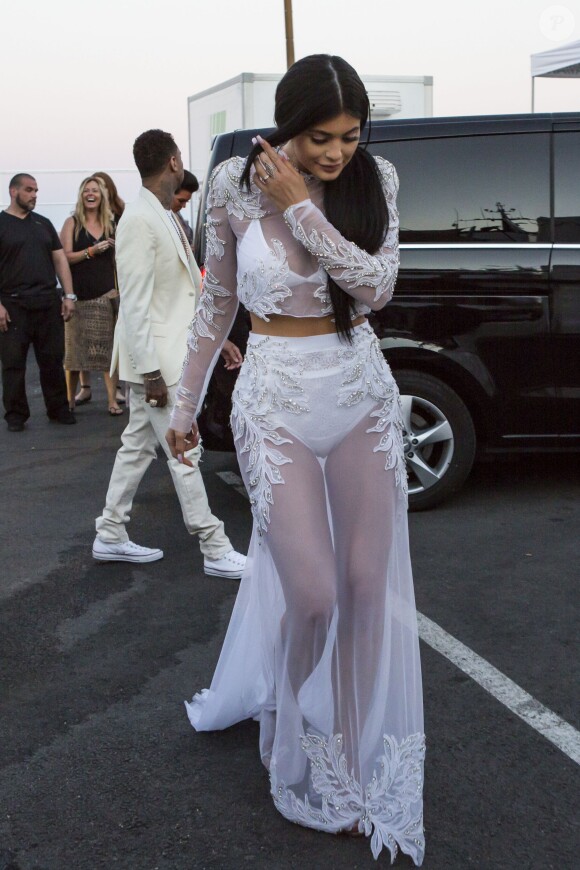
152	151
18	179
190	182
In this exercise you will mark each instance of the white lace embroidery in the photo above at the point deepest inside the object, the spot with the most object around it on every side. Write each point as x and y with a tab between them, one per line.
224	190
388	808
270	387
204	323
373	379
358	268
322	293
273	381
390	181
213	244
261	288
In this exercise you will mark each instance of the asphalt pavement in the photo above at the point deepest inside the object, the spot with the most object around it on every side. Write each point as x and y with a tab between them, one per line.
99	767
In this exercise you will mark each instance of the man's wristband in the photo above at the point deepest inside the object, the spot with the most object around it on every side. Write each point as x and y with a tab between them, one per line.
157	378
72	296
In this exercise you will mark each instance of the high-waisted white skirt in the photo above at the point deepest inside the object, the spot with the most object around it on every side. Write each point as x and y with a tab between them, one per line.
322	645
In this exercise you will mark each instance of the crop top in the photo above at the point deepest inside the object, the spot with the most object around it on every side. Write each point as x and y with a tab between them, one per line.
276	262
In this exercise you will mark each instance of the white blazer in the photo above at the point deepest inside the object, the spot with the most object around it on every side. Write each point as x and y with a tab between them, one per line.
159	288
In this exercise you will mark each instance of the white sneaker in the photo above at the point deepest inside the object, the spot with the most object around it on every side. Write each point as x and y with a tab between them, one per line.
229	565
124	552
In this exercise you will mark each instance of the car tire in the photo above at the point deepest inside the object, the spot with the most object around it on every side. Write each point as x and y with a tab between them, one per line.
439	438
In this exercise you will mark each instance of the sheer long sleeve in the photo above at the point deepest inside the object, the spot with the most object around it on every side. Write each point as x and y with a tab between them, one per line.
216	310
369	278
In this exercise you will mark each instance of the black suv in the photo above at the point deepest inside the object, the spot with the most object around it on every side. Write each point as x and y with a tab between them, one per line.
482	332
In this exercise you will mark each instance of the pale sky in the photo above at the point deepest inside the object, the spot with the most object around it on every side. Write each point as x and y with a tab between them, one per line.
80	80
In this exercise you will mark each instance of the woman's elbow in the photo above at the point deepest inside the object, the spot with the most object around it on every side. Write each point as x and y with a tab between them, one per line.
383	299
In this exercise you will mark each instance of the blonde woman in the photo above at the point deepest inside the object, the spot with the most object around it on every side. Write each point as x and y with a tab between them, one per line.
117	207
115	202
88	241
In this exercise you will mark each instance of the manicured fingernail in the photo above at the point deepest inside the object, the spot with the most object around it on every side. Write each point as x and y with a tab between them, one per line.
254	140
180	457
283	155
259	138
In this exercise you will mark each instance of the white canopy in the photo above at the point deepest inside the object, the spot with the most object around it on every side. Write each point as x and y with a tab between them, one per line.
562	61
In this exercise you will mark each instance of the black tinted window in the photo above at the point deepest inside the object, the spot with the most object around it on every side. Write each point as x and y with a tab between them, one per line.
473	189
567	187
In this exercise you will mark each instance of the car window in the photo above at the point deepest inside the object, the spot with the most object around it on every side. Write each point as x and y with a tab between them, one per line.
567	187
491	189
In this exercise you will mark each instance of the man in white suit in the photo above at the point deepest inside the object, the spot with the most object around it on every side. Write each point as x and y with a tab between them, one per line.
159	284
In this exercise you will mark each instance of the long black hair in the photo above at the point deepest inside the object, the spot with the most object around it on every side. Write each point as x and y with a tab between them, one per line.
315	89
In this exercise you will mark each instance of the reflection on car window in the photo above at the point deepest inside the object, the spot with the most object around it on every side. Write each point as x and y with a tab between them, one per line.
567	187
492	189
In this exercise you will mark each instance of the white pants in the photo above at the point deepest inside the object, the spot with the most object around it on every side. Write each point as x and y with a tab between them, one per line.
146	429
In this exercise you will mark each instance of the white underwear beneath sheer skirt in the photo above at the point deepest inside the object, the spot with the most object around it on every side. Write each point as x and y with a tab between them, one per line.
322	645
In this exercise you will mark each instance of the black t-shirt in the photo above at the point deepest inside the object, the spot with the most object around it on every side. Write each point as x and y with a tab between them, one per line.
26	268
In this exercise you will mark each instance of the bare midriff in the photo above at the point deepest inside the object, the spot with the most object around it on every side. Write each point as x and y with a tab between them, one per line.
297	327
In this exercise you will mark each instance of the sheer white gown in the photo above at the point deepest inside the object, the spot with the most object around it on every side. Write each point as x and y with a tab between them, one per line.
322	645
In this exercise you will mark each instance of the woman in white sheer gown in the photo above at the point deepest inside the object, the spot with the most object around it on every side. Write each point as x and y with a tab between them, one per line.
322	646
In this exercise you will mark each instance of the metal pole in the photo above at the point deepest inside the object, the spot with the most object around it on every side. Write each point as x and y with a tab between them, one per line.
289	33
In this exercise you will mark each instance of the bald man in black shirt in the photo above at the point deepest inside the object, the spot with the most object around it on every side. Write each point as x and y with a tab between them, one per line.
32	309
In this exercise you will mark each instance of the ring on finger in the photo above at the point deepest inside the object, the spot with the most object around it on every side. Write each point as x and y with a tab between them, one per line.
267	167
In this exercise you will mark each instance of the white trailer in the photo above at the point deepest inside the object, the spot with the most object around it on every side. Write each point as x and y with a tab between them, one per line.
247	101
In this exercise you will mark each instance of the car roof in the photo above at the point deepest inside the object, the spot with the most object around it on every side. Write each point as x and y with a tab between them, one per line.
238	141
465	125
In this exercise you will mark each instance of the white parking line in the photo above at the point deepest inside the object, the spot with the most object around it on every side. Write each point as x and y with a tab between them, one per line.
540	718
233	480
556	730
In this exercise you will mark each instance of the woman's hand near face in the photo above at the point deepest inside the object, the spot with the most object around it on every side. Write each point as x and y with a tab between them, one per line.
283	184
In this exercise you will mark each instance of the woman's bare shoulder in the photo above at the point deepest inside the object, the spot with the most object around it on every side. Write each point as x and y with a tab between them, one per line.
68	225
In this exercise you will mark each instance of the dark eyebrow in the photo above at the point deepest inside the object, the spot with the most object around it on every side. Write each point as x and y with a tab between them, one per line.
325	133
